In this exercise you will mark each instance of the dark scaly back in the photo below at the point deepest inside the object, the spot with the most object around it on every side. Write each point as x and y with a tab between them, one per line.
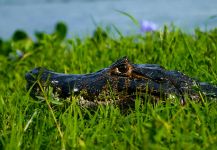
208	90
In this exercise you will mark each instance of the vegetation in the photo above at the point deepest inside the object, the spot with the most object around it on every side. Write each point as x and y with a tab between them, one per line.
26	123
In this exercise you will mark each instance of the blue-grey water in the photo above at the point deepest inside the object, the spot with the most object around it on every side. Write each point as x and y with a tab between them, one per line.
82	16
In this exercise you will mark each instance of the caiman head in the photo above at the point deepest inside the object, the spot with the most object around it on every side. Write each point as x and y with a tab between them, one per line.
130	79
122	80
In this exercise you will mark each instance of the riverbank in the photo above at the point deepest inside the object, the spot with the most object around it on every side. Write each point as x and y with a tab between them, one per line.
26	123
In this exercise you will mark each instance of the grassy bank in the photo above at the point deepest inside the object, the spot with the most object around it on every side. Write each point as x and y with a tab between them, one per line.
29	124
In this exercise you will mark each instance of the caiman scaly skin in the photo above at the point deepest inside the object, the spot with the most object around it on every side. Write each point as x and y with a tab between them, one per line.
120	83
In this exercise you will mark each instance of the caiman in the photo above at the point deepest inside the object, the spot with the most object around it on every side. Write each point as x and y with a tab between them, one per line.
120	83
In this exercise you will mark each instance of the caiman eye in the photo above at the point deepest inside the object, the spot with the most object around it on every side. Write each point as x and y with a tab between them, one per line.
122	68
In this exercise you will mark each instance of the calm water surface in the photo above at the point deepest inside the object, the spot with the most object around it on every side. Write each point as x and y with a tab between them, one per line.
83	16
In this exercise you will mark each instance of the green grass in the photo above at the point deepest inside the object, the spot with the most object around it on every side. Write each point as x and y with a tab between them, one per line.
29	124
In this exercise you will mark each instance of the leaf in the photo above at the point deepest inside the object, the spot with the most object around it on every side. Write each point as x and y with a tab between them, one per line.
130	16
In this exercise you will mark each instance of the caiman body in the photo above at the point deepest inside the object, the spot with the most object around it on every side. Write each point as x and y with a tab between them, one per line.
120	83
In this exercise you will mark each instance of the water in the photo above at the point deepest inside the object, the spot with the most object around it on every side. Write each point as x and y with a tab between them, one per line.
83	16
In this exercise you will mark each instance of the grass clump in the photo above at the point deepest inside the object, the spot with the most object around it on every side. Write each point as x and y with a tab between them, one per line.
29	124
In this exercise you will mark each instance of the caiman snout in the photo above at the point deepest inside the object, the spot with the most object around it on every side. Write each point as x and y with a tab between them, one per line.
37	74
32	75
